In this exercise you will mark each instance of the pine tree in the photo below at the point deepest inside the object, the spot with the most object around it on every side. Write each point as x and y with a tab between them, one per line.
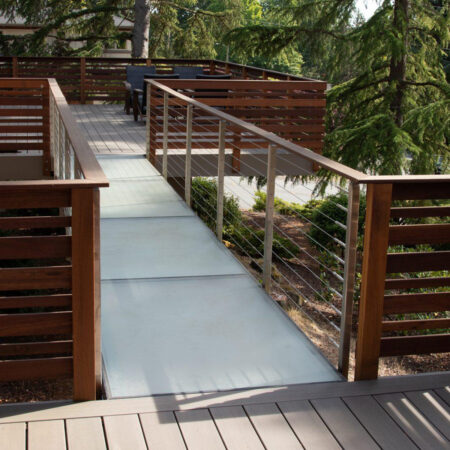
389	112
91	23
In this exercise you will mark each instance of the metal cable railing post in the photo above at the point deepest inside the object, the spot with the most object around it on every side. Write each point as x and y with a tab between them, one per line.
147	123
165	134
349	278
268	235
220	178
188	168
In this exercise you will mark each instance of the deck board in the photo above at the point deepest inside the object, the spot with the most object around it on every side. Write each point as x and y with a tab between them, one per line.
424	434
124	433
343	424
307	425
199	430
344	414
47	435
236	428
13	436
86	433
161	431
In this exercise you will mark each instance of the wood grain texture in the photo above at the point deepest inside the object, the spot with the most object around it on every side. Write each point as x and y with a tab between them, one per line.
84	276
372	283
30	369
415	345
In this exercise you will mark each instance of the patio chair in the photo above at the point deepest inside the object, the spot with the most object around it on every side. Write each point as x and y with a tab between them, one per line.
135	80
140	95
188	73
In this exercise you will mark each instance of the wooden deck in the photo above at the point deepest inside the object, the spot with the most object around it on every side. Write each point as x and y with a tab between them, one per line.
391	413
109	130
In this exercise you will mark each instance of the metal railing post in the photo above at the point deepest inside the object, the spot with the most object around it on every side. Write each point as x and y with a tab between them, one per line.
147	123
187	174
220	178
268	235
351	242
165	134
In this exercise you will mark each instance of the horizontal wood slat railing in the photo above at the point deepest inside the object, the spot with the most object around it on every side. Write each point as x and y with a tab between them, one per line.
404	305
293	110
49	268
101	79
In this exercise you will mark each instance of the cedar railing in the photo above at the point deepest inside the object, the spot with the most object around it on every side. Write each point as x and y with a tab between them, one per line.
101	79
180	122
49	263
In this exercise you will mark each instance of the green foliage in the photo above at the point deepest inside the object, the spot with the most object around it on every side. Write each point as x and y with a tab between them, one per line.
178	28
389	111
204	203
327	221
249	241
287	208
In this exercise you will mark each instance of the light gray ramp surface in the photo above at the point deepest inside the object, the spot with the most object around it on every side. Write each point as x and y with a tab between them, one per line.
179	312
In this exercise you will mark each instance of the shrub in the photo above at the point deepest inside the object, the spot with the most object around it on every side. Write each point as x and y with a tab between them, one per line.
325	229
286	208
249	241
204	203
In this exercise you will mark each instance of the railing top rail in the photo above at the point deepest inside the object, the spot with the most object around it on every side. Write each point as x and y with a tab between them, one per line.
91	169
268	71
333	166
89	165
272	138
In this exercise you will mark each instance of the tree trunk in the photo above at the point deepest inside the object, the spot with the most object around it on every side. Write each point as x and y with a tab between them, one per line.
398	62
141	28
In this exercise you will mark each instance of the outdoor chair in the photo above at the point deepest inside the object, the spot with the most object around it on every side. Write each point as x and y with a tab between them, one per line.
135	80
188	73
140	95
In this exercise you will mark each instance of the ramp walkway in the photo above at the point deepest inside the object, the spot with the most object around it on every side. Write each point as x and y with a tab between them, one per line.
179	313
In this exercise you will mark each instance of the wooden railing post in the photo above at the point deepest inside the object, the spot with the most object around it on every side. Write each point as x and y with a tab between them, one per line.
83	80
268	235
85	287
351	242
212	67
49	118
15	67
376	238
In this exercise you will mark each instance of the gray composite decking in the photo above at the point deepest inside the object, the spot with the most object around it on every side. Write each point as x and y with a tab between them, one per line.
392	413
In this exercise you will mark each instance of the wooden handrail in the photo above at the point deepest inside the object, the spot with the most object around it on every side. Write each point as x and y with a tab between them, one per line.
272	138
91	169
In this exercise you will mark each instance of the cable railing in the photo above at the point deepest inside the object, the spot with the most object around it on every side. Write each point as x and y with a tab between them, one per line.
191	139
262	196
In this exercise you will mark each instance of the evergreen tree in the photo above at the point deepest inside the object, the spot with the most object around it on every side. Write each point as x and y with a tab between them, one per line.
389	114
91	23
